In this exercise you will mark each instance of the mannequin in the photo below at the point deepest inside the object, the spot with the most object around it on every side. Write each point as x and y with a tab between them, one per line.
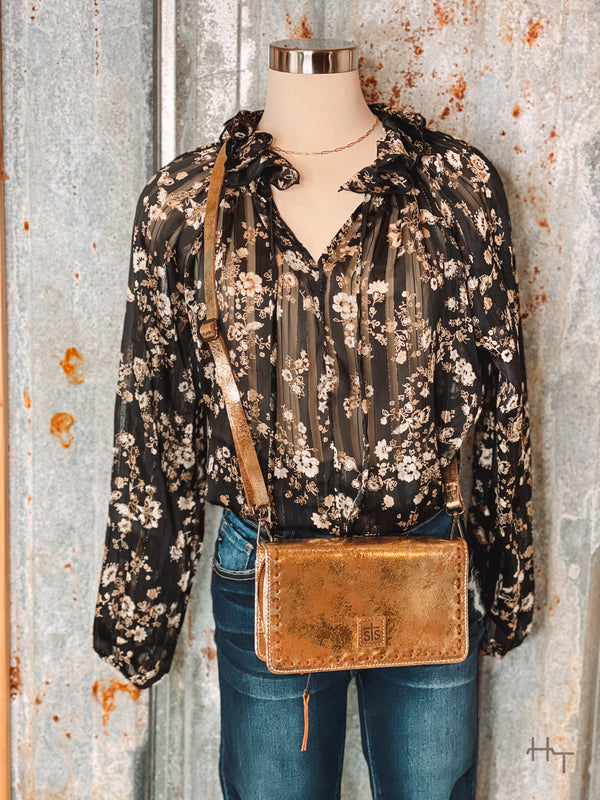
315	102
360	370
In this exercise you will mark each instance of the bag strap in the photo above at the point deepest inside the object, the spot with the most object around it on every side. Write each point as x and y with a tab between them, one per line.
252	478
254	484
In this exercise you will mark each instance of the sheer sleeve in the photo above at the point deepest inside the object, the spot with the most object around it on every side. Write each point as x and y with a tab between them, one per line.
155	522
499	516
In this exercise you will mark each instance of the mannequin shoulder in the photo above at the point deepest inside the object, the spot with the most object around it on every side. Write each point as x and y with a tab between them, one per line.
192	166
186	174
176	193
458	165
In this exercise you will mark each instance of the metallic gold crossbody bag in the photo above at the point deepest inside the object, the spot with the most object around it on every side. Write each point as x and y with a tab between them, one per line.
344	602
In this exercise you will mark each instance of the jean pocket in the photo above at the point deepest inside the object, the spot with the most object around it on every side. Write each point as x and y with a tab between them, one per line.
234	556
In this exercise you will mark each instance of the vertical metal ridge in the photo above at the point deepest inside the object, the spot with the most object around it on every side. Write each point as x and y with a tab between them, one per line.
164	84
164	146
5	710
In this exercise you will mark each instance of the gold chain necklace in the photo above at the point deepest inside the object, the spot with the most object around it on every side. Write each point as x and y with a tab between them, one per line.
333	150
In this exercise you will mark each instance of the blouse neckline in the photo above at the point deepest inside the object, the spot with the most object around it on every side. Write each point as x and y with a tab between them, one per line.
250	156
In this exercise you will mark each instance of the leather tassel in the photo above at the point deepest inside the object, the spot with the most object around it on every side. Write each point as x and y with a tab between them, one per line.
306	697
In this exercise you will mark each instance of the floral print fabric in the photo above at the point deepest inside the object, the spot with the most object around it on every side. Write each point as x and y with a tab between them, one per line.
360	373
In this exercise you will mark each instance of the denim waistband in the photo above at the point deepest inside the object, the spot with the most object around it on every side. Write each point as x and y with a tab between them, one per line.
437	524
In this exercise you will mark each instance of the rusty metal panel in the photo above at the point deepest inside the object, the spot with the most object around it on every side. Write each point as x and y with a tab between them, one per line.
78	149
519	81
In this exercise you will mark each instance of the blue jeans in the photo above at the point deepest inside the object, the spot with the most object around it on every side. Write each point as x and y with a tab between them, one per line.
419	726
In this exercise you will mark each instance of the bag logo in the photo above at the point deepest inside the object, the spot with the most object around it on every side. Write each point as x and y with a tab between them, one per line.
371	631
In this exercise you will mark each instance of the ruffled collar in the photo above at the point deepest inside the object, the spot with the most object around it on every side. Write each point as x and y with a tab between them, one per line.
249	153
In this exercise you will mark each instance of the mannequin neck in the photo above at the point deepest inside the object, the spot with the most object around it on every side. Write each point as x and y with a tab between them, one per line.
316	111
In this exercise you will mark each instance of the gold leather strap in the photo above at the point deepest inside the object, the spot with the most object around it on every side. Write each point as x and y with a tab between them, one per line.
252	478
254	484
452	493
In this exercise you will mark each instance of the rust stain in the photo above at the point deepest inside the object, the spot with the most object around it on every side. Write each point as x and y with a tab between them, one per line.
516	112
458	89
473	5
415	40
409	77
506	31
209	653
16	680
457	92
299	30
533	32
508	34
68	565
191	636
96	39
32	17
55	717
444	14
373	93
60	426
94	245
104	691
26	225
71	364
370	89
550	607
530	197
26	398
552	135
538	297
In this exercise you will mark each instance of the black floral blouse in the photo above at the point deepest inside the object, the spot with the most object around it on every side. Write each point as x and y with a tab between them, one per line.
360	373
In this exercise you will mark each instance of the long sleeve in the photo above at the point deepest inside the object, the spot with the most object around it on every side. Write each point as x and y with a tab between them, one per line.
156	509
500	511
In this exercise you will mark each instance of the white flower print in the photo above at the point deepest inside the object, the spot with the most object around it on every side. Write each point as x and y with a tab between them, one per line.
344	504
464	372
320	520
140	259
479	167
346	305
453	158
408	468
383	449
151	512
306	463
378	289
249	284
295	261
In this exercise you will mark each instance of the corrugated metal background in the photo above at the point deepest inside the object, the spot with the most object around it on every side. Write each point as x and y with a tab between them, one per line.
518	80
